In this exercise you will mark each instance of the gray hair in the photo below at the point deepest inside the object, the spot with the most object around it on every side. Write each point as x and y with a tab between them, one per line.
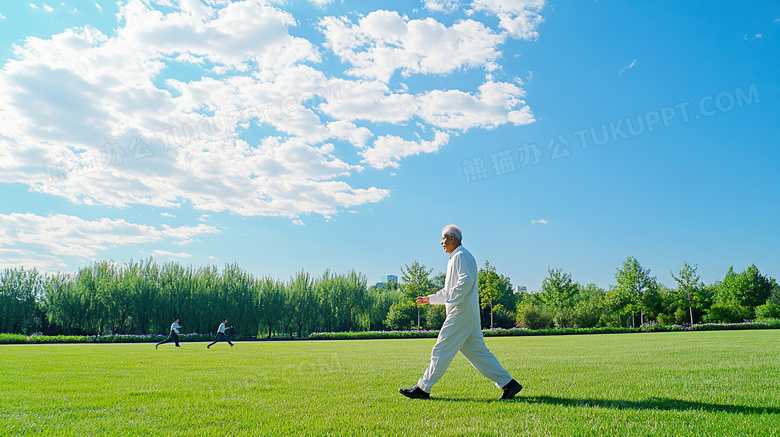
452	230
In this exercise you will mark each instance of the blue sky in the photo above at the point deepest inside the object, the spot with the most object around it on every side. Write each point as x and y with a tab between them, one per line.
288	136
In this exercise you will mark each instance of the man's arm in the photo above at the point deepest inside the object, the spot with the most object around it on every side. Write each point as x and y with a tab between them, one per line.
437	298
465	277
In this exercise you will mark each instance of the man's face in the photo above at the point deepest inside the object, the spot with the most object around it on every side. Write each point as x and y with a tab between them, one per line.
449	243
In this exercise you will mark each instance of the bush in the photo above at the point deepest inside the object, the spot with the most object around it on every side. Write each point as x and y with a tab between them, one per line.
587	314
503	318
372	335
12	338
768	311
723	313
533	317
681	316
435	317
401	315
151	338
666	319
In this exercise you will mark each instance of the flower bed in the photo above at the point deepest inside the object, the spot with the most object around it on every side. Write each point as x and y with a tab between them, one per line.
365	335
149	338
499	332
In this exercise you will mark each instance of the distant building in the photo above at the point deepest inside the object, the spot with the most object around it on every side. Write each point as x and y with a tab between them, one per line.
520	289
386	279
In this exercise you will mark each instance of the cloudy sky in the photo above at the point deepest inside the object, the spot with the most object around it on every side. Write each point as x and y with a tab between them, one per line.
313	135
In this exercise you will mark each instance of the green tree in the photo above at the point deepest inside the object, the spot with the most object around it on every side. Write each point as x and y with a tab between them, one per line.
745	291
144	292
303	302
20	291
590	308
355	303
557	292
272	299
416	282
380	299
689	287
637	288
493	289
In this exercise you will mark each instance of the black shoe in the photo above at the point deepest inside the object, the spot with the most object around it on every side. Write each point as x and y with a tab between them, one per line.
511	389
208	346
414	393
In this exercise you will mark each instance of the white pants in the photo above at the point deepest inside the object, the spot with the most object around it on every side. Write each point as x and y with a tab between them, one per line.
455	335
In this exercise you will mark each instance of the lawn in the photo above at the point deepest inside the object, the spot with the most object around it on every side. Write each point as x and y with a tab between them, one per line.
714	383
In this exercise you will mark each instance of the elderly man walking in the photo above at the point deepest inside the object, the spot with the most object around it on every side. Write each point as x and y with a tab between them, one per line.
461	330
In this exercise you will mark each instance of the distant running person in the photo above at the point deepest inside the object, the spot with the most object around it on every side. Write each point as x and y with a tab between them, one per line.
174	334
461	330
221	336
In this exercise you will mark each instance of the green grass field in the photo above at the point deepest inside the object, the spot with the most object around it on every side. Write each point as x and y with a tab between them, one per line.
661	384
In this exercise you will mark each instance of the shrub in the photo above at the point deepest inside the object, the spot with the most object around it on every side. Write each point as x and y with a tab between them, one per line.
666	319
723	313
435	317
401	315
502	317
533	317
587	314
681	316
12	338
768	311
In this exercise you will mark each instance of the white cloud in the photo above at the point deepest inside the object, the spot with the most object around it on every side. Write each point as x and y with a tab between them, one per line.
97	5
541	221
33	6
627	67
520	18
496	103
228	36
756	36
384	42
258	129
111	109
387	150
171	255
167	214
2	17
445	6
47	8
26	236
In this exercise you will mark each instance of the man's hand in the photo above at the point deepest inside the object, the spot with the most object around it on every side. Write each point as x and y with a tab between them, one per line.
423	300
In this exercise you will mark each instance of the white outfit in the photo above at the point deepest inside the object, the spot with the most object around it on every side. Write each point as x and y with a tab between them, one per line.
175	327
462	330
221	327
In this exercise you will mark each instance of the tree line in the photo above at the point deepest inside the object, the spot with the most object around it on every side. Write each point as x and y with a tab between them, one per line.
638	298
142	298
